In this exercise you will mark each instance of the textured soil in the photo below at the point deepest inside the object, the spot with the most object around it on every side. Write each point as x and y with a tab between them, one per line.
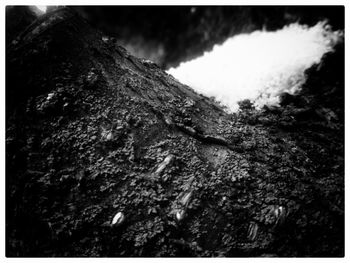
92	131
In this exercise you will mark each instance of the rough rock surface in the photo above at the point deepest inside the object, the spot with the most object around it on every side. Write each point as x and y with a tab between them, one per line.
92	131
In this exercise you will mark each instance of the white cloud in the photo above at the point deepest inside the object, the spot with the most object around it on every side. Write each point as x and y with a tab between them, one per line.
258	66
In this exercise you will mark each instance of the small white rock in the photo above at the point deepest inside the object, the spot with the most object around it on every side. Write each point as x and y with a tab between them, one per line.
109	136
180	214
118	219
49	96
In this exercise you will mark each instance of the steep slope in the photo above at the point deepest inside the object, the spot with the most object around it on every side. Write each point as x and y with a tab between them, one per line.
92	131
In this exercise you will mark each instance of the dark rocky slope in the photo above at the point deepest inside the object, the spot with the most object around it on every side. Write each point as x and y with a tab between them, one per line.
92	130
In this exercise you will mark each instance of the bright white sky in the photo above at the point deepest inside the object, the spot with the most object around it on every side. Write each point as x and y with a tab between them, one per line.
42	7
258	66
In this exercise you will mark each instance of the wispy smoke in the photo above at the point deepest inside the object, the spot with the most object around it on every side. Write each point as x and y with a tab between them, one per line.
258	66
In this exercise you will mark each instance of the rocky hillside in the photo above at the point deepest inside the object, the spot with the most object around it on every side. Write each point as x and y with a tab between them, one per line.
108	155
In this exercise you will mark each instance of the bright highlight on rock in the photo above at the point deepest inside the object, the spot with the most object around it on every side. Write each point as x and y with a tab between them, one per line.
258	66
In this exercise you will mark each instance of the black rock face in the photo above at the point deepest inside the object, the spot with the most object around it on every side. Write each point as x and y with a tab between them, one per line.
108	155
